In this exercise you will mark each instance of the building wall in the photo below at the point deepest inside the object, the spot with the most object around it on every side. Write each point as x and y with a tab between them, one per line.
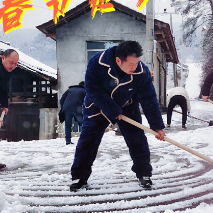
72	38
22	121
48	123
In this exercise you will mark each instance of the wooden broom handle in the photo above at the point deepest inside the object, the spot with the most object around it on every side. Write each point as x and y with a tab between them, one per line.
123	117
210	101
191	116
2	115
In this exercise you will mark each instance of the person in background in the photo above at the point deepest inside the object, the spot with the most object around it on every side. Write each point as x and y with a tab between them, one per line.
71	105
116	82
178	96
8	63
207	86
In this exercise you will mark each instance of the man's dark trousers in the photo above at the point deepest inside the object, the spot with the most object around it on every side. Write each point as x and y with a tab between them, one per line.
177	100
68	123
90	138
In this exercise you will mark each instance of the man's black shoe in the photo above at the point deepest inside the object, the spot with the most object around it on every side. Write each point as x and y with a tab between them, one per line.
183	127
118	133
67	143
2	166
145	182
80	184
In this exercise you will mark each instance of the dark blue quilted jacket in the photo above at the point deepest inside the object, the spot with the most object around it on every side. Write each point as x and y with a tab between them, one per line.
207	84
4	79
107	95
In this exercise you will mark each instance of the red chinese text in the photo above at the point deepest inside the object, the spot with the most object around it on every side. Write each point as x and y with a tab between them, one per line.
58	8
12	13
141	3
102	5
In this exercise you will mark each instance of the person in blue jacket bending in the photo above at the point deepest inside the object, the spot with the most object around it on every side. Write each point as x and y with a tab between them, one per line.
71	105
116	82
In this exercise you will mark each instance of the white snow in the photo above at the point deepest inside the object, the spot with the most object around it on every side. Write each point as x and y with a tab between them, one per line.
193	80
30	63
37	176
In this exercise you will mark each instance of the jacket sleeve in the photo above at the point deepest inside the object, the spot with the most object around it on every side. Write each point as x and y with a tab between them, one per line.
63	98
148	100
3	92
4	100
207	84
94	85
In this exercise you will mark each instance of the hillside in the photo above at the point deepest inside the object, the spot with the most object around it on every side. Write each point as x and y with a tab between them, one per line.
34	44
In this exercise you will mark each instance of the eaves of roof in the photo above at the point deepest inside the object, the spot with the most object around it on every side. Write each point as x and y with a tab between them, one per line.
163	35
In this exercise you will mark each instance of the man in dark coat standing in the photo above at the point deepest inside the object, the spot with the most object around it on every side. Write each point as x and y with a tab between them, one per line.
71	105
207	86
8	63
116	82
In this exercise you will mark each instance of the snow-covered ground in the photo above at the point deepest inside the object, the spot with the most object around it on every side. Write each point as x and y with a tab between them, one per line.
37	176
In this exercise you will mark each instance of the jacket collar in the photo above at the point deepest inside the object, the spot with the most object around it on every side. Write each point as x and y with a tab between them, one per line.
106	59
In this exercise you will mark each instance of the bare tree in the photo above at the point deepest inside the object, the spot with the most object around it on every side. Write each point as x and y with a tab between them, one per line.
198	14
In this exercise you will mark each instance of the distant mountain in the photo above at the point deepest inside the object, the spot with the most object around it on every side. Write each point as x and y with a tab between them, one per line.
33	43
18	37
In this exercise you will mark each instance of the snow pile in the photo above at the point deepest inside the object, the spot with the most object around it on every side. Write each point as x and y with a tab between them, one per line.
2	201
203	207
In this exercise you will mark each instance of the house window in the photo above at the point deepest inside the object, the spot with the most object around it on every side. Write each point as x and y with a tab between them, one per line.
43	88
97	46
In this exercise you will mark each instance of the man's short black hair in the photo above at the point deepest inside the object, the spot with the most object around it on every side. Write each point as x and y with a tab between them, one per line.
128	48
8	52
81	84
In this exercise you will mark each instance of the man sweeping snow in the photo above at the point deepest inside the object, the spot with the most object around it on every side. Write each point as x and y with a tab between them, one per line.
8	63
116	82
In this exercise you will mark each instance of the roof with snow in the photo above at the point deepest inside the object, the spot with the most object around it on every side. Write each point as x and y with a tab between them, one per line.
161	29
29	64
